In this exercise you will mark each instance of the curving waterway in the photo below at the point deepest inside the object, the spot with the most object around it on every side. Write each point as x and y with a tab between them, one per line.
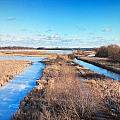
98	69
16	89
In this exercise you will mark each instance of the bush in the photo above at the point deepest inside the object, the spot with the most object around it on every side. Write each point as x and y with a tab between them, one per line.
102	52
112	52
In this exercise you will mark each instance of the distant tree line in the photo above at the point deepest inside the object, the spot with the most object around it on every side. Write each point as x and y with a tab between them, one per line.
42	48
15	48
112	52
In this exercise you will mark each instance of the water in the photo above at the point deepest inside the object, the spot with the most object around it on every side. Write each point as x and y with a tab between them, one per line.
16	90
45	51
60	51
98	69
92	55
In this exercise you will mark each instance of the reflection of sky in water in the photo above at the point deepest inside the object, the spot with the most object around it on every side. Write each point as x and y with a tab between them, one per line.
92	55
47	51
61	51
15	90
99	70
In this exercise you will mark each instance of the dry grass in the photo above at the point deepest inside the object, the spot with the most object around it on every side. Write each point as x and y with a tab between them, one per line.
10	68
109	92
31	53
65	96
58	96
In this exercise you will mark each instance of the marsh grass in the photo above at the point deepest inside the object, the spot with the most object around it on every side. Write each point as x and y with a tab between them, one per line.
109	92
10	68
65	97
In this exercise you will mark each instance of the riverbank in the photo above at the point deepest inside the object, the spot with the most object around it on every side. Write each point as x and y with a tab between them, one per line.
70	91
104	63
10	68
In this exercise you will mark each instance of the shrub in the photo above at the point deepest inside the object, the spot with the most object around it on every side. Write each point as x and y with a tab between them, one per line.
102	52
112	52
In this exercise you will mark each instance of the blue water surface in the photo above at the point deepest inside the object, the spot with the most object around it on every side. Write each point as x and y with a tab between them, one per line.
98	69
60	51
16	89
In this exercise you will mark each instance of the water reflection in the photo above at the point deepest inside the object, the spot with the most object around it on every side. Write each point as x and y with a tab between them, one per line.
59	51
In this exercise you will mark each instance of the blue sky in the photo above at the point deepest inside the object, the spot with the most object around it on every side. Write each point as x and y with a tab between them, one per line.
59	23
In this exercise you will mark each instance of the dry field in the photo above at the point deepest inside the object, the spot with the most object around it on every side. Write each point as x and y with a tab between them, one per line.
84	53
10	68
30	53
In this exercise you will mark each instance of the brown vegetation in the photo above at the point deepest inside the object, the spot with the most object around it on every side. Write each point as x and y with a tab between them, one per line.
30	53
111	51
58	96
68	91
10	68
107	89
16	48
104	63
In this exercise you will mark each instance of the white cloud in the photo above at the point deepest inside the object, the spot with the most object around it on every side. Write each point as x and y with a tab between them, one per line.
37	39
116	39
41	35
57	36
54	37
107	30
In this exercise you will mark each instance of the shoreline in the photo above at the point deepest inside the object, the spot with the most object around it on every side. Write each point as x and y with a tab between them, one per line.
11	68
97	63
63	77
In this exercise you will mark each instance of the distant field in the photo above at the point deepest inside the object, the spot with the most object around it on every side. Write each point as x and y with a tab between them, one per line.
32	53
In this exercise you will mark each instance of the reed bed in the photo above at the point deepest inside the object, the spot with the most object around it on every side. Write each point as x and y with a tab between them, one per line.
10	68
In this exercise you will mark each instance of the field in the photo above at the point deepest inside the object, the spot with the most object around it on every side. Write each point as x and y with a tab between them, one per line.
29	53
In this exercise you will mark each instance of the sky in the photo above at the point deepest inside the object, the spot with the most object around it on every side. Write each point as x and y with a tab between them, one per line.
59	23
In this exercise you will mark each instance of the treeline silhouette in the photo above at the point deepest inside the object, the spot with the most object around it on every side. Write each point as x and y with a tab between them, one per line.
43	48
15	48
112	52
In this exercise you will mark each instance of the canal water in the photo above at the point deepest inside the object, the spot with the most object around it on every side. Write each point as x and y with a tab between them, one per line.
59	51
16	89
98	69
44	51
